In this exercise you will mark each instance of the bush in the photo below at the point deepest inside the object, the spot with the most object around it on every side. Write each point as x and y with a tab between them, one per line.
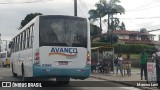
97	44
134	48
127	48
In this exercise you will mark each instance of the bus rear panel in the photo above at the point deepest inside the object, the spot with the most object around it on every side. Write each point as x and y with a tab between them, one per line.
63	48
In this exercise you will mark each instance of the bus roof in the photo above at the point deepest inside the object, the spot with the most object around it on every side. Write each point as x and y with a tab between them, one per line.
31	22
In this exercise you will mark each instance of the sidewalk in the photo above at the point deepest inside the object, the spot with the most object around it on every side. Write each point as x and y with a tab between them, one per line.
127	80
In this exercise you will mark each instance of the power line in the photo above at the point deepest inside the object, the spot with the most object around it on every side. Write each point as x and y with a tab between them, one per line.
148	5
143	17
27	2
83	4
153	30
81	11
86	11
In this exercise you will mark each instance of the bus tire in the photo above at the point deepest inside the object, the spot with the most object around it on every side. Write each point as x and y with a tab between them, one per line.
14	74
8	66
23	76
62	80
3	64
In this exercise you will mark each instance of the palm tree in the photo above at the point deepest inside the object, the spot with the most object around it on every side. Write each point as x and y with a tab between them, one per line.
97	13
110	8
104	8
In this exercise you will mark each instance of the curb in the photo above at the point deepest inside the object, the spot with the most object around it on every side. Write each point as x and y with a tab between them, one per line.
144	88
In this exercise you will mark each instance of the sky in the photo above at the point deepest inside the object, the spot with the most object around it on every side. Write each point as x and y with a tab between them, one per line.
138	14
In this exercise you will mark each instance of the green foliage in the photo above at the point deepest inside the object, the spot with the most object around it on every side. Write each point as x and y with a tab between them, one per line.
108	38
97	44
105	7
28	18
122	27
133	48
127	48
95	30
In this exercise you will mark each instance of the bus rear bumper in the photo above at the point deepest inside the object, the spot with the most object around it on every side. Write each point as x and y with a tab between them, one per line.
76	73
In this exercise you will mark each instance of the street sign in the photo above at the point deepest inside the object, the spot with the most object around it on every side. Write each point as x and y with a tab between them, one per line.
151	72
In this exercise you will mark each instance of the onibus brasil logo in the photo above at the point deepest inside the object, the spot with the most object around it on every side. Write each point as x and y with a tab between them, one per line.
67	52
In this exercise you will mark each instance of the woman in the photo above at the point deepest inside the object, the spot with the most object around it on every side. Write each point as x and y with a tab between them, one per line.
119	64
128	65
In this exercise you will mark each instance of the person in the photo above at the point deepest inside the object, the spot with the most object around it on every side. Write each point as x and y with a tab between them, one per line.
119	63
143	63
93	65
100	66
155	55
128	64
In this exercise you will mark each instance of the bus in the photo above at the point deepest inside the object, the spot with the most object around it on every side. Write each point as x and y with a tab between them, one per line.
52	46
5	59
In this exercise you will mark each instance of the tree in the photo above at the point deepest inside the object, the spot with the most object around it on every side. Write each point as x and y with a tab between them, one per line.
108	38
122	27
97	13
115	24
143	30
109	8
95	30
28	18
145	33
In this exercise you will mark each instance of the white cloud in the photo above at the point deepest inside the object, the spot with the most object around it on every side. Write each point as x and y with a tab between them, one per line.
13	13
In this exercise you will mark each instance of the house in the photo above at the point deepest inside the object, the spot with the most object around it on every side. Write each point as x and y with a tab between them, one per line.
130	37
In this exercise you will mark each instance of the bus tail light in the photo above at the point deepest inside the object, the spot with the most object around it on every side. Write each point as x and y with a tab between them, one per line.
88	58
36	57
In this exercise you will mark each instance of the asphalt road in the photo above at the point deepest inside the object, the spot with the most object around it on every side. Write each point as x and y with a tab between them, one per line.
88	84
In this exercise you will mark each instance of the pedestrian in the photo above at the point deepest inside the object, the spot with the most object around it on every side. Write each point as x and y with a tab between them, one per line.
143	63
99	65
128	64
155	54
93	65
119	63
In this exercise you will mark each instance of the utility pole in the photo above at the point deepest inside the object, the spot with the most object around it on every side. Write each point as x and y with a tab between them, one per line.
75	7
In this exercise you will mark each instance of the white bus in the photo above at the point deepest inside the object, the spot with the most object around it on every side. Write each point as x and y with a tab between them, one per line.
5	58
52	45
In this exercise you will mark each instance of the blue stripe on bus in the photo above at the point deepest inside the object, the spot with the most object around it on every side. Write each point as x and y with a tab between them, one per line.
46	71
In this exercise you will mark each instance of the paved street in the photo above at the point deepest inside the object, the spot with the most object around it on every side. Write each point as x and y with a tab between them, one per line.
89	84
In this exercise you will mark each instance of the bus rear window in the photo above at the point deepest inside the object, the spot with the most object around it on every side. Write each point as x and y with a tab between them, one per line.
3	55
63	31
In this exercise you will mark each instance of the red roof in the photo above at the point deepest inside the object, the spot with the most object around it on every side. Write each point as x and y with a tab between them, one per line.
130	41
127	32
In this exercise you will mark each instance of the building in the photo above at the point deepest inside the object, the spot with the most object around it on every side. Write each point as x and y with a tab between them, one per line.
0	43
130	37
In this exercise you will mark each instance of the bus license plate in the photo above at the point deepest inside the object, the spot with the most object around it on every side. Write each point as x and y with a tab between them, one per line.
63	63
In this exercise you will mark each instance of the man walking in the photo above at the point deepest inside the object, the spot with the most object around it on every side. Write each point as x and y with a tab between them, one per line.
143	63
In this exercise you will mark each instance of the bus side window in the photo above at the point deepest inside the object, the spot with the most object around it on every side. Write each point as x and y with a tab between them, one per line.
14	44
18	42
24	39
21	46
31	36
8	54
28	36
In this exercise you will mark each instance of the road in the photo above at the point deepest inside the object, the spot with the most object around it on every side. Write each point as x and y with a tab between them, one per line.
88	84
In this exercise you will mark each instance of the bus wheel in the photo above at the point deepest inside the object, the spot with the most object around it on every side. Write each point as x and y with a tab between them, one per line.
9	66
14	74
63	80
23	77
3	64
